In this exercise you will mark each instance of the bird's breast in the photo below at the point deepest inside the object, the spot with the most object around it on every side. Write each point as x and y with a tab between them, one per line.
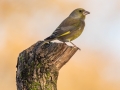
76	34
73	35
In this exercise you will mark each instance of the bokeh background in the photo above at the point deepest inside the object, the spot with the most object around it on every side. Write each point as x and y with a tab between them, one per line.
95	67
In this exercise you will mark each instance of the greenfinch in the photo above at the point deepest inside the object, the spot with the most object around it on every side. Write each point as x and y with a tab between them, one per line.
71	28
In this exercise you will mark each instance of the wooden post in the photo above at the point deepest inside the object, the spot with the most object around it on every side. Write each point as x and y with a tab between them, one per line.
38	66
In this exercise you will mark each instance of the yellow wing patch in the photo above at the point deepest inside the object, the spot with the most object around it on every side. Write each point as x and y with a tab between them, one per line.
68	32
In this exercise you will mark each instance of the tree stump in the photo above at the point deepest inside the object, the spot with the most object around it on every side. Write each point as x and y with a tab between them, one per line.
38	66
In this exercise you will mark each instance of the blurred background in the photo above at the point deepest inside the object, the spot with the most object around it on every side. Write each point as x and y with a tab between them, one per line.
95	67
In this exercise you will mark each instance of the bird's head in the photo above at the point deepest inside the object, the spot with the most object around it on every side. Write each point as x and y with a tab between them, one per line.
79	13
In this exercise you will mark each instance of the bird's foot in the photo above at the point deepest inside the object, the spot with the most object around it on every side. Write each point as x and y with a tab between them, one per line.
74	45
77	47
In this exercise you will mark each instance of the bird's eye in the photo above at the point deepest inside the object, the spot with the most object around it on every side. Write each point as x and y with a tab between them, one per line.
80	10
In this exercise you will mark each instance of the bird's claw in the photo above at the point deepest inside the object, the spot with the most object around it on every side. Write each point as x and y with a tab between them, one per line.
77	48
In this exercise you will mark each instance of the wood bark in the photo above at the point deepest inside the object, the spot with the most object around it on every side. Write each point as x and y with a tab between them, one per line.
38	66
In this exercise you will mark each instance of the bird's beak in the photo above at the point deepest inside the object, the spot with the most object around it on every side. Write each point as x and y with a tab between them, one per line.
86	12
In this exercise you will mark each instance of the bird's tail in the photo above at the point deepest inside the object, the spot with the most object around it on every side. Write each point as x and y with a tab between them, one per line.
44	42
48	39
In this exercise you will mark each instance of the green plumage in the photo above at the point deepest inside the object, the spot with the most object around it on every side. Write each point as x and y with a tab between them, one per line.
70	28
71	25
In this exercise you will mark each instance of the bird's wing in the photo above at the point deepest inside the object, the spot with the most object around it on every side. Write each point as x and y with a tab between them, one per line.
66	27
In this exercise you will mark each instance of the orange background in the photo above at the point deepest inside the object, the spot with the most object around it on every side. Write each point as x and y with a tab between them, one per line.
95	67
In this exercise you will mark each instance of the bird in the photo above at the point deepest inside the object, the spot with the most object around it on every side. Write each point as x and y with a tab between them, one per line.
70	28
